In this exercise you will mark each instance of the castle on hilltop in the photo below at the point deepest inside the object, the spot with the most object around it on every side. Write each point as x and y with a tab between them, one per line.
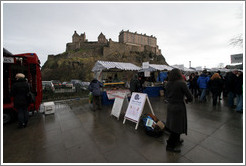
131	41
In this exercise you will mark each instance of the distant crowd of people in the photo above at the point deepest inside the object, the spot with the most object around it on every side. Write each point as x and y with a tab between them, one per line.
230	85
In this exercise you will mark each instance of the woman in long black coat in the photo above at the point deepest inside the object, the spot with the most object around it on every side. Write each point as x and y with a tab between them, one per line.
20	91
176	120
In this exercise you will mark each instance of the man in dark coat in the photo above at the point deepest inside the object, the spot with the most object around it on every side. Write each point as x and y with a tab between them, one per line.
20	90
193	83
135	85
231	79
239	92
95	87
176	120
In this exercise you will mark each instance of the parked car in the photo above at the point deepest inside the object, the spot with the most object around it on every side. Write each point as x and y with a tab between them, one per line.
67	85
85	85
57	84
48	86
75	82
79	85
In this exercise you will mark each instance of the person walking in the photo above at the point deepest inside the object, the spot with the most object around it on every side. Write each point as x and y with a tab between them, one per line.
231	79
176	121
193	84
19	91
202	82
239	92
223	84
95	87
215	85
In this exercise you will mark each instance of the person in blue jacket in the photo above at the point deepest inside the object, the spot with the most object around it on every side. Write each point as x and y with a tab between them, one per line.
202	83
162	76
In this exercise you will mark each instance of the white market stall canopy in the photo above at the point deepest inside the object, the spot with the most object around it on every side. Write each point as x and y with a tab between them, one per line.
160	67
181	67
220	69
189	69
156	67
106	65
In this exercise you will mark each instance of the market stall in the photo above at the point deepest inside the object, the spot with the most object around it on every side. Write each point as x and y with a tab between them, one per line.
155	75
115	77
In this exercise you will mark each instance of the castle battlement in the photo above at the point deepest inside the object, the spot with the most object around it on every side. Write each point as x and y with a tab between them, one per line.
130	39
137	39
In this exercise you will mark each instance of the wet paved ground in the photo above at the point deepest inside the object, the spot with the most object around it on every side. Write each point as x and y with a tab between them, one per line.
75	134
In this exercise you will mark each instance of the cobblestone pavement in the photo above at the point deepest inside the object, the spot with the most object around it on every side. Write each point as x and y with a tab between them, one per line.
76	134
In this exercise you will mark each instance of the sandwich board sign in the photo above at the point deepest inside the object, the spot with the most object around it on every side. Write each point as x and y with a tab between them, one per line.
135	108
119	102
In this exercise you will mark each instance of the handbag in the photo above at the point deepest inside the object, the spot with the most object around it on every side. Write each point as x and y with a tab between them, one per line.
31	97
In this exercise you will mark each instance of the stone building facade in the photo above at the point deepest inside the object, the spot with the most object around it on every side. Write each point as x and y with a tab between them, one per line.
137	39
140	40
127	41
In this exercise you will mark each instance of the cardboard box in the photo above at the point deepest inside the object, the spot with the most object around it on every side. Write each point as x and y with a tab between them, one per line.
49	108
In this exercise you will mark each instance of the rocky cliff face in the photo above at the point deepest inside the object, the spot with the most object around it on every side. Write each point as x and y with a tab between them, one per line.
77	64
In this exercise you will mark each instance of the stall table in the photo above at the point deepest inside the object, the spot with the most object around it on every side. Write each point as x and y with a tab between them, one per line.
108	96
153	91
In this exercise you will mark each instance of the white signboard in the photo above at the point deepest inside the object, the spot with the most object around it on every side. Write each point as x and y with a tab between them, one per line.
119	102
146	73
135	107
237	58
8	60
112	94
145	65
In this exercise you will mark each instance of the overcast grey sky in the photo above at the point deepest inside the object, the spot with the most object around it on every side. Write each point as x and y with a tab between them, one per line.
196	31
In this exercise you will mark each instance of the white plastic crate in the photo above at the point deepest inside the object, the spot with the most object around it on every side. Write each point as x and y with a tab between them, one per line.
49	108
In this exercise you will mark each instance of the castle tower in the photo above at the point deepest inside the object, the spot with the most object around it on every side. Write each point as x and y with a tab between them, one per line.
78	38
102	39
83	37
75	37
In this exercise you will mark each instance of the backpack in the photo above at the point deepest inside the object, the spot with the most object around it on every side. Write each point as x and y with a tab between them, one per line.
152	126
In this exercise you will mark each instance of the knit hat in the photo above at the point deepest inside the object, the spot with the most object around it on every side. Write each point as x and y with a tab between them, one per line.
19	75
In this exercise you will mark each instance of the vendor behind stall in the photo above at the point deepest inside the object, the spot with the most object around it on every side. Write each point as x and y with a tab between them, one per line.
152	77
116	79
135	85
109	79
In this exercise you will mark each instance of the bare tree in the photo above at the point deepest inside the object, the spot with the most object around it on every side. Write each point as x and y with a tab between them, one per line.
237	41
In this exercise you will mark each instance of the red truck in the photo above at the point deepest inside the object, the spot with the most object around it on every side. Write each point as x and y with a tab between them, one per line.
29	65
